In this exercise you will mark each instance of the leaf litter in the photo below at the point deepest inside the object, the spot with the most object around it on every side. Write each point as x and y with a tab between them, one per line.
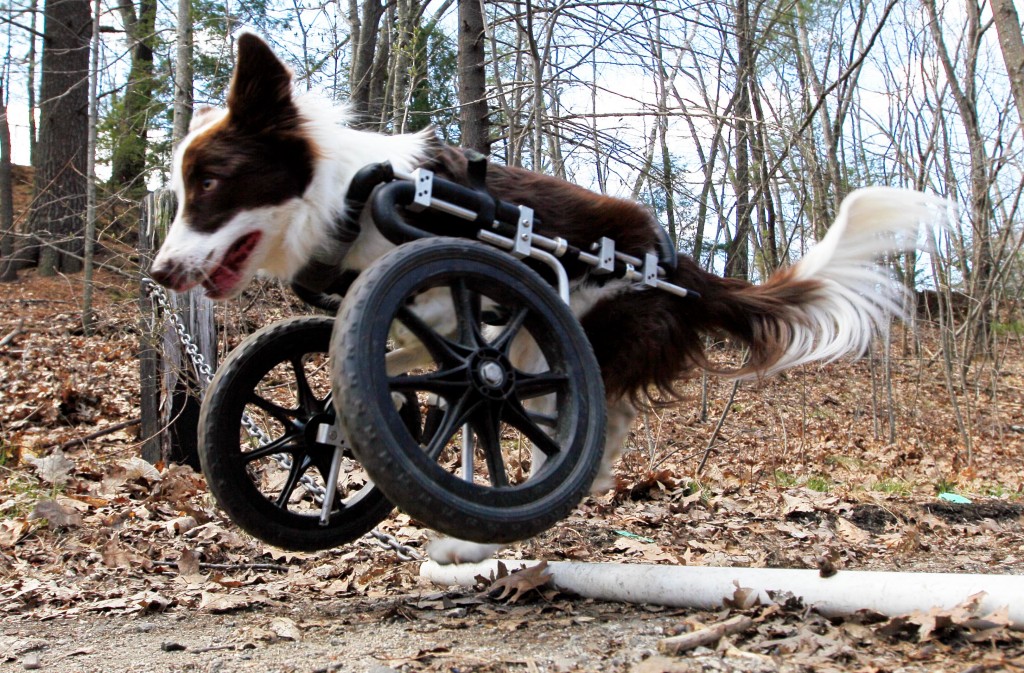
127	556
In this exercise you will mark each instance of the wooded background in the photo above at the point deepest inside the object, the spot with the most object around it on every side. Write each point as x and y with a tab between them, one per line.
741	123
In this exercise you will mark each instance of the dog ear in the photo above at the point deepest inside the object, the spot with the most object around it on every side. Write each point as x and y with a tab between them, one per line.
261	88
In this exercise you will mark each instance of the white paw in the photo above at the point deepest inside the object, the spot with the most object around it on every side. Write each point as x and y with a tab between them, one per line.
448	550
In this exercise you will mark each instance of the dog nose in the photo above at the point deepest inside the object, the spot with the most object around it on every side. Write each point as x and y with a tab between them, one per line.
167	274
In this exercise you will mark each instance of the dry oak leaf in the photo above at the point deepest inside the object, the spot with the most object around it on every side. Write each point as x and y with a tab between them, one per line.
54	468
518	583
56	515
12	531
850	532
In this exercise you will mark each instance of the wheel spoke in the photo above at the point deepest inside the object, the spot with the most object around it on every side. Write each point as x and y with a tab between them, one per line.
548	420
453	419
487	431
449	384
284	444
299	467
512	328
307	398
439	347
537	385
517	417
285	416
467	313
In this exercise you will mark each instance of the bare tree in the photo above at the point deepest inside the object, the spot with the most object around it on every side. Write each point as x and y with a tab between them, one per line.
59	184
473	109
7	270
1004	15
963	88
183	72
134	115
364	20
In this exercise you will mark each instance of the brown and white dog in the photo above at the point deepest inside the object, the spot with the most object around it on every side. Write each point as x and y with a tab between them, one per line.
261	184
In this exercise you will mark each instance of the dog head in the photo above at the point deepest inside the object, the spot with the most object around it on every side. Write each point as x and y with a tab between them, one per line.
239	175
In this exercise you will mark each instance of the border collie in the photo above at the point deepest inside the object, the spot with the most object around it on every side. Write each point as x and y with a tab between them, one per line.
262	184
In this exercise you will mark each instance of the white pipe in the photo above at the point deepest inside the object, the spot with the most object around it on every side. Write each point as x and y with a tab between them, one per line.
848	591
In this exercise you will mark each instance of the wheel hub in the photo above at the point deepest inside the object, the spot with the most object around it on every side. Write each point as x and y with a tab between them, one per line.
493	374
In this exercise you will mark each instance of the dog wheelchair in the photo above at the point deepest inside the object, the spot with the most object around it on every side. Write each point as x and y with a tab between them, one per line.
459	386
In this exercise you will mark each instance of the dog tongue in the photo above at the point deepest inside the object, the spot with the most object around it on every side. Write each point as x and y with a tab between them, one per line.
227	274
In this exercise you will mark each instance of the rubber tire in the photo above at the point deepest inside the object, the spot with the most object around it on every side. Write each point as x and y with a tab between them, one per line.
396	463
226	476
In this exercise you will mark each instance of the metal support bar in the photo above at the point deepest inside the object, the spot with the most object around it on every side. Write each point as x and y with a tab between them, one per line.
467	453
332	486
529	244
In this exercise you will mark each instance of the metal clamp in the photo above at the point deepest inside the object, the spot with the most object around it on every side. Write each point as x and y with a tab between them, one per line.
605	248
523	241
424	182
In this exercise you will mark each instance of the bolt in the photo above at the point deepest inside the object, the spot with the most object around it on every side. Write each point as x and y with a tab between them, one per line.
492	374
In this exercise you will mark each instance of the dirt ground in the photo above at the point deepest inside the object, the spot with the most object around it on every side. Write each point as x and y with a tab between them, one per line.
107	564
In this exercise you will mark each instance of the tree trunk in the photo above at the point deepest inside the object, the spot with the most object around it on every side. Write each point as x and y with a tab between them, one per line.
59	187
1012	45
363	22
128	159
737	261
7	270
183	73
33	136
90	205
473	120
965	94
169	386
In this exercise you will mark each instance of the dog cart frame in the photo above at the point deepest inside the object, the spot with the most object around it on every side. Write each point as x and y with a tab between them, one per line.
452	357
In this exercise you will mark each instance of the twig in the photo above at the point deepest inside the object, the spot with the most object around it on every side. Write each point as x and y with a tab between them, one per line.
718	428
212	648
99	433
230	566
10	337
706	636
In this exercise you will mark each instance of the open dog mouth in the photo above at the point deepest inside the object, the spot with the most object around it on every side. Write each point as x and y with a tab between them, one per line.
220	282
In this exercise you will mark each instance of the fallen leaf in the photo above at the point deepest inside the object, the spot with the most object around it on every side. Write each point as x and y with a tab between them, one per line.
53	469
188	563
137	468
56	516
286	629
180	525
12	531
115	555
520	582
850	532
742	598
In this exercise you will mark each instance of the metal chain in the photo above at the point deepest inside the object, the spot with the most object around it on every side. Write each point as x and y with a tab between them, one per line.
205	373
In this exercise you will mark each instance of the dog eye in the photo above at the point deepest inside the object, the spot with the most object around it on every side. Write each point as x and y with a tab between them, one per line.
208	184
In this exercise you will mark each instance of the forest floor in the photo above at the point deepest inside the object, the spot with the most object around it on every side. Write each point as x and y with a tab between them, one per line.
108	564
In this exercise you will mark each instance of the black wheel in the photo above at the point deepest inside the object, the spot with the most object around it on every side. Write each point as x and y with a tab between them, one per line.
258	442
502	362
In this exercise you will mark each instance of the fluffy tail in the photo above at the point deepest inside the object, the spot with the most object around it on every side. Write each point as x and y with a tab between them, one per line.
834	299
